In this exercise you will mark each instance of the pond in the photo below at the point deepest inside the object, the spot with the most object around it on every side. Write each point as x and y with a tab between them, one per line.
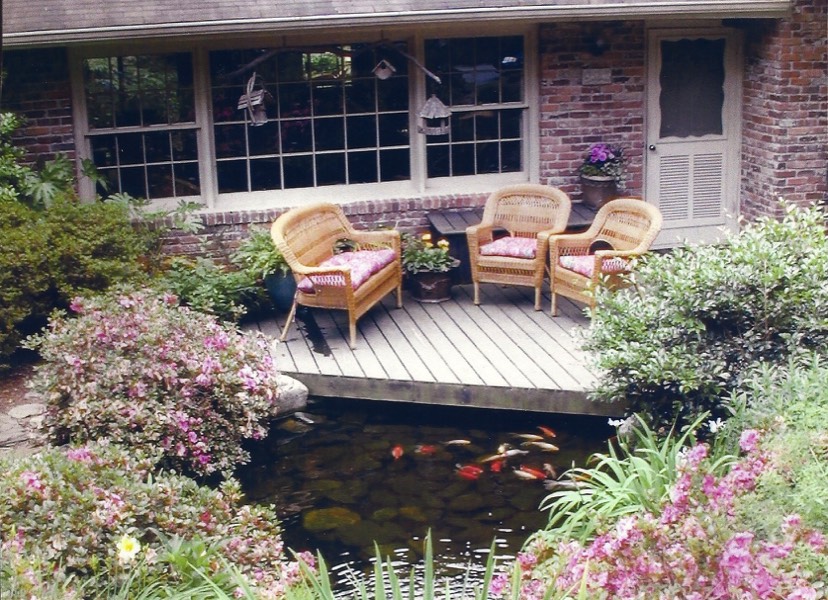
345	473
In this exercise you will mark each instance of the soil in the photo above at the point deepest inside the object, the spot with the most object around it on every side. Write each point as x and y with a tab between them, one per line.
13	386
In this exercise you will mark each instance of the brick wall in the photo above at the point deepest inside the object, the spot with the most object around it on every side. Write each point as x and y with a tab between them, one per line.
37	86
587	97
223	231
785	111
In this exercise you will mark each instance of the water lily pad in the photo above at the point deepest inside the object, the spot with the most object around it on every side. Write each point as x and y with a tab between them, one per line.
324	519
415	513
466	503
384	514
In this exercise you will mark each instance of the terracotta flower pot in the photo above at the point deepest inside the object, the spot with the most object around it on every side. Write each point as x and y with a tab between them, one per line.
598	190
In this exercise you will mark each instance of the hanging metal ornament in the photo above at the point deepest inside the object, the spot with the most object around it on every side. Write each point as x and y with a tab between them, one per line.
253	101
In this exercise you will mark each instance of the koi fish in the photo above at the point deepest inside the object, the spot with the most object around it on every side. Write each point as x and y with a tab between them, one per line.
521	474
547	432
496	466
397	452
544	446
457	443
470	472
514	452
550	470
538	474
532	437
426	449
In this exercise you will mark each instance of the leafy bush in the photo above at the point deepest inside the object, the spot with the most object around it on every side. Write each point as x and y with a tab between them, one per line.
84	521
259	256
678	342
146	373
204	286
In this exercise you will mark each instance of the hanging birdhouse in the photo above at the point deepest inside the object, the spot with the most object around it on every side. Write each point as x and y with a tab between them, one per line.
384	69
253	101
434	117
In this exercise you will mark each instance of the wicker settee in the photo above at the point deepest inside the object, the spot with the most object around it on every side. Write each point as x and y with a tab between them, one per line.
352	281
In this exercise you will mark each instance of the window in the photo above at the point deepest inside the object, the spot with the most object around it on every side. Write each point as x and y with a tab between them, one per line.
482	82
330	119
141	124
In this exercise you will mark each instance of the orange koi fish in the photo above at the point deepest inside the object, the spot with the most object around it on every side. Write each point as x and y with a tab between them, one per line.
547	432
426	449
470	472
496	466
397	451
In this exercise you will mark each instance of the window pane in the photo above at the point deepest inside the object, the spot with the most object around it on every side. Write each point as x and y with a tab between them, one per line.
462	159
510	121
186	179
488	157
510	157
360	96
438	161
692	87
393	130
160	179
132	182
330	134
230	141
330	169
104	151
101	111
297	136
184	145
232	176
512	87
298	172
486	124
362	167
462	127
263	139
362	132
157	147
131	149
394	165
393	93
327	98
265	174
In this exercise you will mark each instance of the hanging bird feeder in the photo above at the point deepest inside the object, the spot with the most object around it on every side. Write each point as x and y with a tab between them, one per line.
434	117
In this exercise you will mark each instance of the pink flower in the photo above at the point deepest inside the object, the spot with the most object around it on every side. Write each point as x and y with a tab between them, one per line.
748	440
76	305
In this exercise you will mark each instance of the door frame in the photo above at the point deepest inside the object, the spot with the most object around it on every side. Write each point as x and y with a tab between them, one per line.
731	120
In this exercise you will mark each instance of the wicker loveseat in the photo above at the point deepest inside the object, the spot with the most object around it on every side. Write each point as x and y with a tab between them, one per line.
351	281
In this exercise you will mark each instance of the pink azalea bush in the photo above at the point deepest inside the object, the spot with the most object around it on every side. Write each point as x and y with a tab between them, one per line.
65	512
144	372
694	548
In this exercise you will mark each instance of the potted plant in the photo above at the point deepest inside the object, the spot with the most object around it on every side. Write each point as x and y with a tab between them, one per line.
601	172
260	257
427	267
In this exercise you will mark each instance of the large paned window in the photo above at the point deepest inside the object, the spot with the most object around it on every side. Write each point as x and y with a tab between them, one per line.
483	83
329	119
142	125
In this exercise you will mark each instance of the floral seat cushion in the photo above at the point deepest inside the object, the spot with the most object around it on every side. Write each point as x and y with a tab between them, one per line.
516	247
584	265
363	264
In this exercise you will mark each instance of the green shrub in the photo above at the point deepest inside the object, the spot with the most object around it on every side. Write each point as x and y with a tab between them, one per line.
149	374
204	286
681	339
85	521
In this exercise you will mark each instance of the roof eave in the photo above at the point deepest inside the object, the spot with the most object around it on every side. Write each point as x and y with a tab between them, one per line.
753	9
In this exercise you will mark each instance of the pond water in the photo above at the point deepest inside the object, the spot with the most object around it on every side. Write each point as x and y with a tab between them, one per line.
345	473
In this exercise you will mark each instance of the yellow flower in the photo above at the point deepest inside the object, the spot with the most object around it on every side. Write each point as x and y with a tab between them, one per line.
443	243
426	237
128	549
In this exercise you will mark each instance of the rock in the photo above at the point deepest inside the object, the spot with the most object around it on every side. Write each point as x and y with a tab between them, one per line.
329	518
293	395
26	411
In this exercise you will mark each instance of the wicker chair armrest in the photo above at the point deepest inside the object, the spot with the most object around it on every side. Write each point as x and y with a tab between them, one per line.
376	239
478	235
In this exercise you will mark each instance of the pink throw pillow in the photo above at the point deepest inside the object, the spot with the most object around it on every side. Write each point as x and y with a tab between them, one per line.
516	247
363	264
586	263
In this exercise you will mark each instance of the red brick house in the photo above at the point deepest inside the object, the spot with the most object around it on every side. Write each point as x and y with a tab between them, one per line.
721	107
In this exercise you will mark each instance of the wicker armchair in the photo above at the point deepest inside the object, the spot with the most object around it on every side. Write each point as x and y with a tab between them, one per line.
622	229
530	213
306	237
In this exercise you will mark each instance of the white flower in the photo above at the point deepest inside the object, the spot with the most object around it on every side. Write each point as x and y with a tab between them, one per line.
615	422
128	549
715	426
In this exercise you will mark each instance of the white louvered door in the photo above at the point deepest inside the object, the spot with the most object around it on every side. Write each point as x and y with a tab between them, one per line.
693	132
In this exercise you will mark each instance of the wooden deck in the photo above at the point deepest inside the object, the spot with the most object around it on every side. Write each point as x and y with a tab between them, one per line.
501	354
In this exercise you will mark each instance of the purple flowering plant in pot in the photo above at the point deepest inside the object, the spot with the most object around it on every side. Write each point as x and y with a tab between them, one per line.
601	172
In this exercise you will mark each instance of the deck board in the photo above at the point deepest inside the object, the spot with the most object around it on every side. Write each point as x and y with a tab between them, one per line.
501	354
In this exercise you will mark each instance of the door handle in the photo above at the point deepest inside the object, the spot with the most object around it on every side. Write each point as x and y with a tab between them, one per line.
651	147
